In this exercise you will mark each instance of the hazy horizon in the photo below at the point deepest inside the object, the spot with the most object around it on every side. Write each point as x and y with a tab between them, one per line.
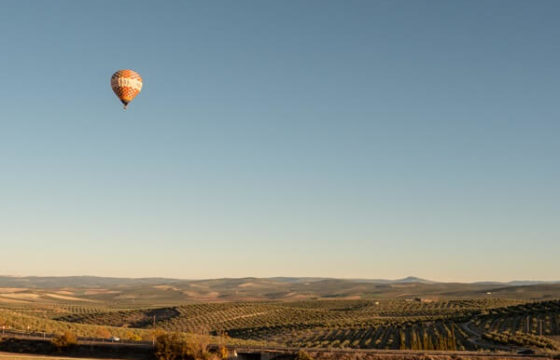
356	139
282	276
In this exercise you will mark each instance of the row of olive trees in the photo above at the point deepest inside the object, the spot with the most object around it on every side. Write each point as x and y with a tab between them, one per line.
521	339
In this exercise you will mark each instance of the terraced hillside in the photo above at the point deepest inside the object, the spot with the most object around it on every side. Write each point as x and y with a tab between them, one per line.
377	314
390	324
526	324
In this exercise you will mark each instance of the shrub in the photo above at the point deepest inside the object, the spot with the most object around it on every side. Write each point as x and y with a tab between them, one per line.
65	340
223	352
102	332
175	346
303	355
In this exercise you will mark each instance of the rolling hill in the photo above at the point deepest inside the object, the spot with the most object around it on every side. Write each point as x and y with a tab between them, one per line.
162	291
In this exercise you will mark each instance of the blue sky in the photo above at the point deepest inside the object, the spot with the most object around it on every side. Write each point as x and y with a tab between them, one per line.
372	139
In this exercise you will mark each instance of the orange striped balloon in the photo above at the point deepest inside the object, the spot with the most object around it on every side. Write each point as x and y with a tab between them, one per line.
126	84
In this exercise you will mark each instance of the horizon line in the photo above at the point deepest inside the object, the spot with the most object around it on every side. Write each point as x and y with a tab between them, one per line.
410	277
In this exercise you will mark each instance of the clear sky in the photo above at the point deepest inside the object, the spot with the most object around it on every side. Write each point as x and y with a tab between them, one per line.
371	139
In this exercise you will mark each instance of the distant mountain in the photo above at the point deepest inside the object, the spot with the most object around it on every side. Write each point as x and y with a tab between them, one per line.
76	281
413	279
297	279
531	282
487	283
409	279
98	281
516	282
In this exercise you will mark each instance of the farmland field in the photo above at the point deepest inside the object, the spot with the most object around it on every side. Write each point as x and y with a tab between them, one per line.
449	321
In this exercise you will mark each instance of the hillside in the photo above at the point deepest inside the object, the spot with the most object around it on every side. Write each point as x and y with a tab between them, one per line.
160	291
461	324
153	291
409	313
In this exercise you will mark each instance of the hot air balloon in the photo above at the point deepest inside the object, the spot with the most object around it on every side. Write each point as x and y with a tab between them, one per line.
126	84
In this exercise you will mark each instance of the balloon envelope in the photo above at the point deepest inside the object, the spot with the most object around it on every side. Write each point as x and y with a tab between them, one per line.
126	84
